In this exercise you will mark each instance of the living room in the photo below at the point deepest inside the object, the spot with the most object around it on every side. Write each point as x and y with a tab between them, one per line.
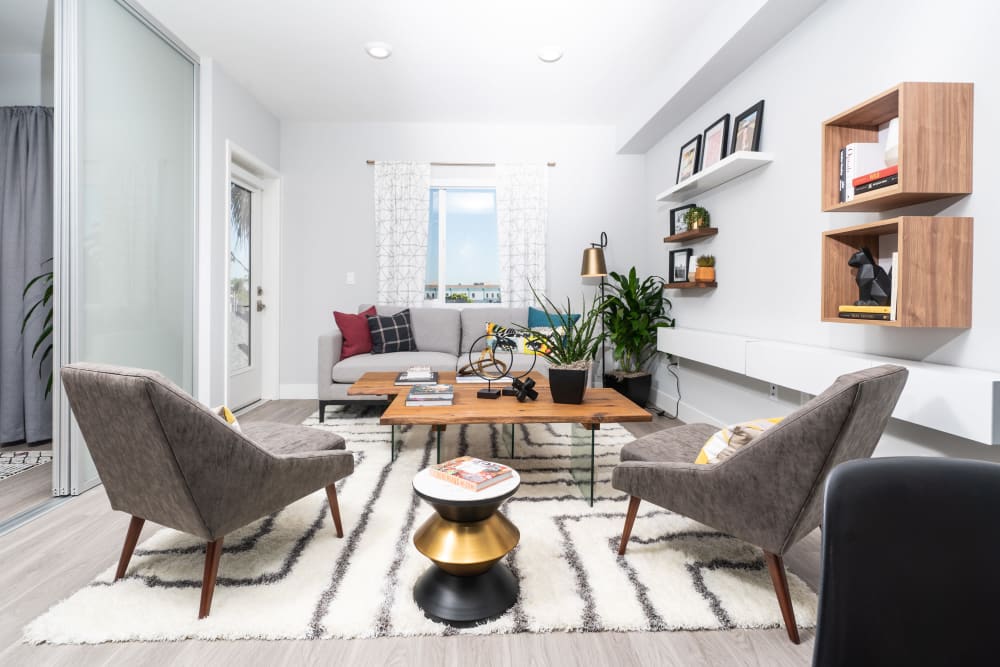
291	105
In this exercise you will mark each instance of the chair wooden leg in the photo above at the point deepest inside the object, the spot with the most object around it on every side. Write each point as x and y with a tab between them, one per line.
776	567
131	538
633	508
331	494
213	552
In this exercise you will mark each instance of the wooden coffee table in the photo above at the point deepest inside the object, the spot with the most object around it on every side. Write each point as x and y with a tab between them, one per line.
599	406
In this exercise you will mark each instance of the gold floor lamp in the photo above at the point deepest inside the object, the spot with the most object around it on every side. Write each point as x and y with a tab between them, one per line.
594	266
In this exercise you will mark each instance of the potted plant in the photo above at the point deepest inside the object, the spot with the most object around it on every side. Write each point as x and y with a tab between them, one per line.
569	344
706	269
44	301
633	311
697	218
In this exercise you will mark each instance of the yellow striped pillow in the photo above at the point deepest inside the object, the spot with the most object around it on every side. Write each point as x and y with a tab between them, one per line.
227	416
723	443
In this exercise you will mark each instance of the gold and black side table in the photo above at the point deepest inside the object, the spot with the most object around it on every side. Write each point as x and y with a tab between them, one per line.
465	539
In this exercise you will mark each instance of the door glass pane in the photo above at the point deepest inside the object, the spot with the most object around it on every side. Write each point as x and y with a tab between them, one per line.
134	241
239	278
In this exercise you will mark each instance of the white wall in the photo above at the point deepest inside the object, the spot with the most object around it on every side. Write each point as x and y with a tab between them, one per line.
229	113
770	221
25	80
328	212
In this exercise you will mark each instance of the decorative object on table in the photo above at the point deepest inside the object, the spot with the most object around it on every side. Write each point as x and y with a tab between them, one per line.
503	339
44	301
678	219
697	218
687	163
874	284
746	129
679	261
471	473
594	266
465	540
430	395
569	348
706	269
633	311
715	143
523	389
417	375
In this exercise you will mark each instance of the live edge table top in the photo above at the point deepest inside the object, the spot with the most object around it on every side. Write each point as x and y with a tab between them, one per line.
599	405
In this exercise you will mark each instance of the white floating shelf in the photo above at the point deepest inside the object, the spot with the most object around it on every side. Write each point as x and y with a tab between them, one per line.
723	171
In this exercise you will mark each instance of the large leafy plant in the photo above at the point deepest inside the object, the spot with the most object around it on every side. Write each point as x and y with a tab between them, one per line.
44	340
568	341
633	311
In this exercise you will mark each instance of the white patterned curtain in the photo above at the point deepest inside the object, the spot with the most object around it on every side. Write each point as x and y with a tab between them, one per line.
522	221
402	210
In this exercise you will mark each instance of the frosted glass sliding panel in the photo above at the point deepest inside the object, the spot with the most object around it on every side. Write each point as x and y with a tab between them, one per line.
134	240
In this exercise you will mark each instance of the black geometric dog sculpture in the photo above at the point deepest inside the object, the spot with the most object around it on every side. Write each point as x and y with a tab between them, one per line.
874	284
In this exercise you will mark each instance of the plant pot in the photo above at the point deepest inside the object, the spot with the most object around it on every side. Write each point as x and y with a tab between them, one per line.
567	385
635	389
705	274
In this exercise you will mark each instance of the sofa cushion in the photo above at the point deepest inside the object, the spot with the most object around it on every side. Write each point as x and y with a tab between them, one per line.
282	439
434	329
391	333
350	370
671	445
474	321
538	319
354	329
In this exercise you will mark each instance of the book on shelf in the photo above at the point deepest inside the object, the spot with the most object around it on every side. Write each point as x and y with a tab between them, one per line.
875	175
894	289
471	473
863	309
475	379
875	185
847	315
417	375
860	158
431	392
843	175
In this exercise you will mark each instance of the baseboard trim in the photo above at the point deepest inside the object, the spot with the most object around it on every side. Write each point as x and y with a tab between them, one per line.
298	391
685	411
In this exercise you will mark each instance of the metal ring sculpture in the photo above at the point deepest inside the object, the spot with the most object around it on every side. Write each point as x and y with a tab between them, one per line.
522	386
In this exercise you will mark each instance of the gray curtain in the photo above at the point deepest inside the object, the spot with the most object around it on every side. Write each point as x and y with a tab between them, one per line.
25	245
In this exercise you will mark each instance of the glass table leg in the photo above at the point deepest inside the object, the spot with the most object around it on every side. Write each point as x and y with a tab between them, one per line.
581	460
507	434
392	442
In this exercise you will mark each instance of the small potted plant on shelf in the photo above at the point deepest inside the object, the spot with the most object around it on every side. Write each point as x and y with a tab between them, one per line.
706	269
698	218
633	311
569	344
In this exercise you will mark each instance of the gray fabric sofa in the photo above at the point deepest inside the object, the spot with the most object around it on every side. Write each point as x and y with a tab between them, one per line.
443	337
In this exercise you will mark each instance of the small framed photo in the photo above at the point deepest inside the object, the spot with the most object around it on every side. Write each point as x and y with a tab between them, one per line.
679	262
687	165
715	143
678	219
746	129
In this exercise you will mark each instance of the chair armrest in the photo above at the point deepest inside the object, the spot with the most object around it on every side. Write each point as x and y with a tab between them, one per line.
329	349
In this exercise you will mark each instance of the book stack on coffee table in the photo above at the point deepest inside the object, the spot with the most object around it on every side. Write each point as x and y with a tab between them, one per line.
428	395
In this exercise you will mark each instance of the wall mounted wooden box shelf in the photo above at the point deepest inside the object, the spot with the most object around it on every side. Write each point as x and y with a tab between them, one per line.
934	272
723	171
692	235
935	145
697	284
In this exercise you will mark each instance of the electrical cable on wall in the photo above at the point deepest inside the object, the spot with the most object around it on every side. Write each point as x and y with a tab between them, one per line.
677	404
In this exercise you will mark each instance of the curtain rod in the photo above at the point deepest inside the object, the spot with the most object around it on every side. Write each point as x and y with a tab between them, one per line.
463	164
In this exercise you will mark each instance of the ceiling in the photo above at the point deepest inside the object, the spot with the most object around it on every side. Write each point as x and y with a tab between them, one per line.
23	26
453	60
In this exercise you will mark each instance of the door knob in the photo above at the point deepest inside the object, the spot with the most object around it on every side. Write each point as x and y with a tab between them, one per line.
260	305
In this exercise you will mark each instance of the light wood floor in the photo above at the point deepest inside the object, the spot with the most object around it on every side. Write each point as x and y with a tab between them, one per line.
25	490
52	557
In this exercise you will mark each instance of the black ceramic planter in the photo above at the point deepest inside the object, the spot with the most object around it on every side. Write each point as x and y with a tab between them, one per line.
636	389
567	386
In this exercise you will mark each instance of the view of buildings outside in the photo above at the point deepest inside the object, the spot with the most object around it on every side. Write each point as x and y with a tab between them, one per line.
467	219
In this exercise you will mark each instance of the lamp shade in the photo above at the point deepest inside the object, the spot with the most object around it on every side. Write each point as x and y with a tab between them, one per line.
593	263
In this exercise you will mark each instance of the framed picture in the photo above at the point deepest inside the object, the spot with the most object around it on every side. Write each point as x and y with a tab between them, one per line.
690	156
678	219
746	129
679	261
715	143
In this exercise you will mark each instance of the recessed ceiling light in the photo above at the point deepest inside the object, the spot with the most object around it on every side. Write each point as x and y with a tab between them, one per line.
378	50
550	54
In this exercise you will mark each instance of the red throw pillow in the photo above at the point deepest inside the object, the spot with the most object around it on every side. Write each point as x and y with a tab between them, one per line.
357	337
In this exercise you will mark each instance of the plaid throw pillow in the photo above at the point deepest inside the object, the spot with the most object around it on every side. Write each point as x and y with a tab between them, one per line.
391	333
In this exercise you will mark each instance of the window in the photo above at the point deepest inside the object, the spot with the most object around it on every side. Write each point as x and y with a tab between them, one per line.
463	261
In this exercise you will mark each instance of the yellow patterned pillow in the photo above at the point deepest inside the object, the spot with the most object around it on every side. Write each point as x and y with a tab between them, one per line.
227	416
724	443
523	341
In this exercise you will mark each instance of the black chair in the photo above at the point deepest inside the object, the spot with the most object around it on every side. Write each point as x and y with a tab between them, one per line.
911	548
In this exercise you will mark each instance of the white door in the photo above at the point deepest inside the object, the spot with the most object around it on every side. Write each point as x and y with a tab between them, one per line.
247	300
126	131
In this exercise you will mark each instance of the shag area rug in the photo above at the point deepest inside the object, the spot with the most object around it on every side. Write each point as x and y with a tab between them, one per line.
14	462
288	576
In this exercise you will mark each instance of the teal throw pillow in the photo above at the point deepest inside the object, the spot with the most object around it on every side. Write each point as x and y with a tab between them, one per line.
537	318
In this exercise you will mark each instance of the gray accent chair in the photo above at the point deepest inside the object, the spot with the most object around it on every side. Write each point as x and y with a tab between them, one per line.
770	491
166	458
